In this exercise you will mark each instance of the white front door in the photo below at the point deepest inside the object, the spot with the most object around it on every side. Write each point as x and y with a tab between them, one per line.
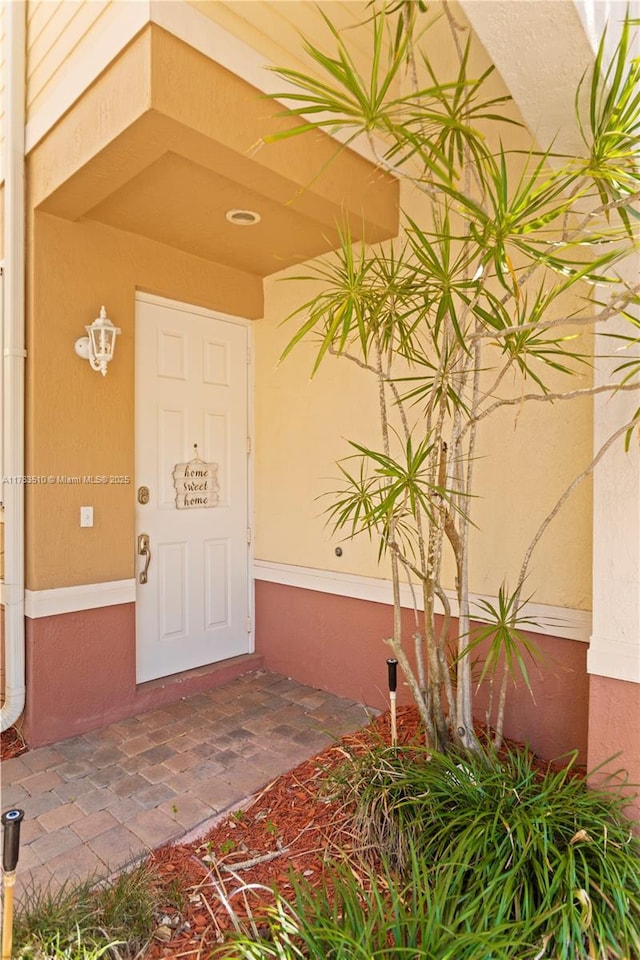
191	389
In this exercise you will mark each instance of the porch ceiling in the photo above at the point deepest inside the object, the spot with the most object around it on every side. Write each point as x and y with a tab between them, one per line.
167	141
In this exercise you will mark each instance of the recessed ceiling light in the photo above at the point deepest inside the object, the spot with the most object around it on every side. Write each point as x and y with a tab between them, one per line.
243	218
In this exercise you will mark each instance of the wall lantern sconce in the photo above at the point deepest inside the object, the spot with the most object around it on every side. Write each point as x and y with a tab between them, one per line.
98	348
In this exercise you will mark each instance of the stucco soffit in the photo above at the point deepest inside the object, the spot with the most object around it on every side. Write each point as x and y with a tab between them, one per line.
189	140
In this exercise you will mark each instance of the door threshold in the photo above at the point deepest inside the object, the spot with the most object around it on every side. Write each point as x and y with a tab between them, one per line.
165	690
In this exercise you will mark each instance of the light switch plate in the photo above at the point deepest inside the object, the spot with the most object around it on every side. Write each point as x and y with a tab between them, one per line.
86	516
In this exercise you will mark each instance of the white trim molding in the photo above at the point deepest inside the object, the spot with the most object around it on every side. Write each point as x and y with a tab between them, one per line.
608	657
86	596
564	622
552	621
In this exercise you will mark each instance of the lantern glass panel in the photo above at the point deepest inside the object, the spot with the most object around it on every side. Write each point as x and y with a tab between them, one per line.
101	340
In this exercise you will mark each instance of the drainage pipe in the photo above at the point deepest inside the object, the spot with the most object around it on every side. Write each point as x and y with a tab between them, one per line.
13	363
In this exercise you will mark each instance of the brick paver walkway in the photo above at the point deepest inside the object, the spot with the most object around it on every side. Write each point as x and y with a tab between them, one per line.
95	802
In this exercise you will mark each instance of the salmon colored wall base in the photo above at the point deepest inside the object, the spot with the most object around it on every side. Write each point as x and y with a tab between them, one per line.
335	643
614	727
81	669
553	722
81	674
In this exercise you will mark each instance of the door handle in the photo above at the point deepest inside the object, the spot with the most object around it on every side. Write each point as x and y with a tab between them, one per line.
144	550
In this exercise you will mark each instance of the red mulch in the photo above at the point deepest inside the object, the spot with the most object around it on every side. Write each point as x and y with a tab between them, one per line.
293	818
12	744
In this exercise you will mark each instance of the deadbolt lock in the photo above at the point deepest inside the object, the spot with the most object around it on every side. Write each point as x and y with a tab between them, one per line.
143	494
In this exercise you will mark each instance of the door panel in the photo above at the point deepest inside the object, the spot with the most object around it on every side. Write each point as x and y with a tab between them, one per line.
217	555
191	389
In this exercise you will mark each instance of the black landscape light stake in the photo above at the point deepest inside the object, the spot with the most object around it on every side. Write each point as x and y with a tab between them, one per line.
392	666
11	821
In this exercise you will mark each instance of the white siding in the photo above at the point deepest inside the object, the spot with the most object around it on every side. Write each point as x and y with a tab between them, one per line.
54	32
69	43
274	27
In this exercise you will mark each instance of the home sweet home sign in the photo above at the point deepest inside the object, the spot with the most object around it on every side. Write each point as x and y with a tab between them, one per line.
196	484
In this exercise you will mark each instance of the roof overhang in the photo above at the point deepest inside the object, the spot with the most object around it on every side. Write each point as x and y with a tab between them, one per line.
166	141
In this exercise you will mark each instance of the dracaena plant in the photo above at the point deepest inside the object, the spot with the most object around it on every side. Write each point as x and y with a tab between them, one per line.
467	302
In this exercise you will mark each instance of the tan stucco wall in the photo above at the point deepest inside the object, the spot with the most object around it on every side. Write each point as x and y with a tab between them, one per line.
298	442
301	426
525	459
78	422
